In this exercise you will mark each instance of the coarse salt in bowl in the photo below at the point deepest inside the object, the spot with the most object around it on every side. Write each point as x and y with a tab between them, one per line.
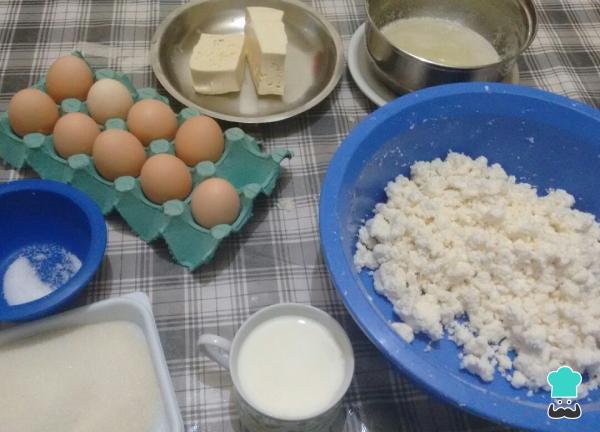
53	238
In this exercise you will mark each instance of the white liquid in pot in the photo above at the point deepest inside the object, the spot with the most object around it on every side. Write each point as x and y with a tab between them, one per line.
291	367
441	41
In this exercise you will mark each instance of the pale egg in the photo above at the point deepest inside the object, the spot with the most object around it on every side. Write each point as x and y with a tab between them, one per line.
118	153
75	133
151	119
69	77
31	110
214	202
199	139
107	99
165	177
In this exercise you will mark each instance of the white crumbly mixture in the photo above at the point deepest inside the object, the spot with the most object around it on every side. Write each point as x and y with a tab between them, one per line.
462	239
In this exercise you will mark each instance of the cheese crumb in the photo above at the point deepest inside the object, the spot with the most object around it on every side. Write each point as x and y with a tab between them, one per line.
405	331
511	277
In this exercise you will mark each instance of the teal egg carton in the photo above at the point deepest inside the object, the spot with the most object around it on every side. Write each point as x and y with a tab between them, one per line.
251	171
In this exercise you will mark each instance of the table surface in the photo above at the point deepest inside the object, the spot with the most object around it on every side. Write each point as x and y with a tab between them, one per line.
276	258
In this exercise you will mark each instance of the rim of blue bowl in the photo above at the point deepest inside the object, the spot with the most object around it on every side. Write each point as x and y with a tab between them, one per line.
377	330
64	294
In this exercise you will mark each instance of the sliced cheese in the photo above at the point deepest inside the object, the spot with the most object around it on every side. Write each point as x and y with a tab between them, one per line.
217	63
266	49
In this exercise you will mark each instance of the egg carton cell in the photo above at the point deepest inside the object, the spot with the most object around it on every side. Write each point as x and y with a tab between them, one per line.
250	171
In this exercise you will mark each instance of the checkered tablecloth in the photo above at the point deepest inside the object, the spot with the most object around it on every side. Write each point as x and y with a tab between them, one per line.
276	258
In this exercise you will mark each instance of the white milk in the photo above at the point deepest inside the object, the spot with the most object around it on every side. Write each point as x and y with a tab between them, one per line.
291	367
441	41
90	378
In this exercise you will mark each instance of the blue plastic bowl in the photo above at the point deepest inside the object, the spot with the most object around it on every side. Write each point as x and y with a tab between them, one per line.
541	138
44	212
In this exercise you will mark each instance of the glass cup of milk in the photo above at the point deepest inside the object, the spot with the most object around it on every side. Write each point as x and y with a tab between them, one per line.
291	365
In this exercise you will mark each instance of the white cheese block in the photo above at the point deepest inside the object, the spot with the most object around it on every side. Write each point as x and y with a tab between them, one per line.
259	13
217	63
266	49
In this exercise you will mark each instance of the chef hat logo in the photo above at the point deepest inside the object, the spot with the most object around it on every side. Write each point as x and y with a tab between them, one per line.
564	382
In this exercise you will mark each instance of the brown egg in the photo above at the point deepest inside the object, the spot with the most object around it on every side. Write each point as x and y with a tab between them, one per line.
214	202
118	153
151	119
165	177
199	139
31	110
75	133
107	99
69	77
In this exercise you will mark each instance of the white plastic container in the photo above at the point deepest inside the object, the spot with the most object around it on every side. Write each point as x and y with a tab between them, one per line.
134	308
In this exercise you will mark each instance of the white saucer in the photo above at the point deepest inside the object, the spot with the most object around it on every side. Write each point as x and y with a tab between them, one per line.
363	73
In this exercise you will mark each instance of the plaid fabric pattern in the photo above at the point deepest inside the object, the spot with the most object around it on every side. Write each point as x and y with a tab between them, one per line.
276	258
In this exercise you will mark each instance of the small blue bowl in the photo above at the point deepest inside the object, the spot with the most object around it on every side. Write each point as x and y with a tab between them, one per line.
541	138
44	212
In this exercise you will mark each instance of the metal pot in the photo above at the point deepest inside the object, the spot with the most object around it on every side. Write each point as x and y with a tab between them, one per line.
509	25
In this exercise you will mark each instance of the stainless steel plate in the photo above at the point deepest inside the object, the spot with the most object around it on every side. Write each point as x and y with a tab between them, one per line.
314	63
